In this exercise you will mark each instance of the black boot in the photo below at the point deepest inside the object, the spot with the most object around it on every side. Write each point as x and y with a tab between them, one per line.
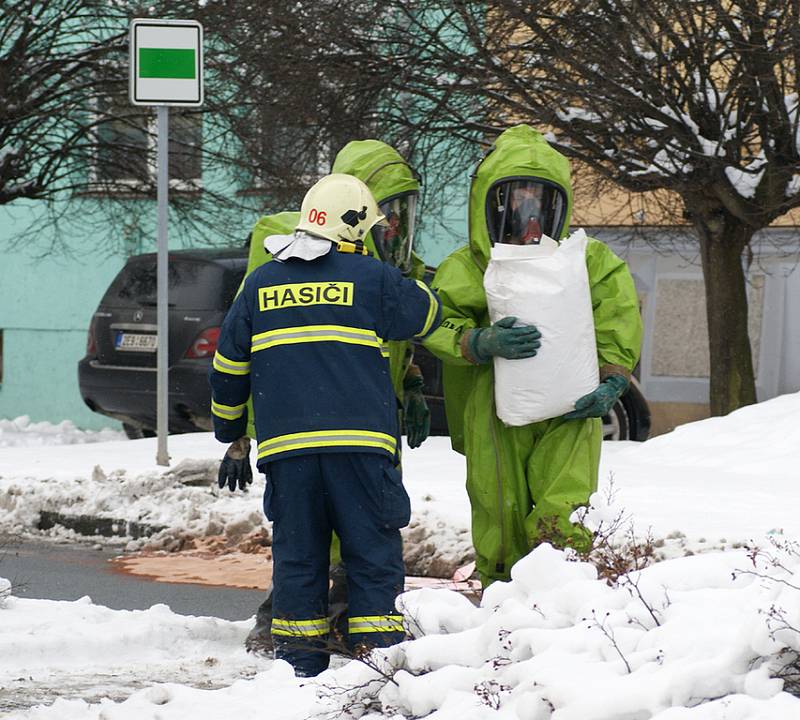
337	604
259	639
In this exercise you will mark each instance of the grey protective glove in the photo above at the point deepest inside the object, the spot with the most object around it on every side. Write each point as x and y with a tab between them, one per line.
504	340
600	401
416	414
235	466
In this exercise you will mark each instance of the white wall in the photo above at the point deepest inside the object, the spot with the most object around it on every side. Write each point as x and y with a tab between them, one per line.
666	267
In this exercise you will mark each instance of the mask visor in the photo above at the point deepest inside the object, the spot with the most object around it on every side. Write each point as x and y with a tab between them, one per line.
395	240
521	211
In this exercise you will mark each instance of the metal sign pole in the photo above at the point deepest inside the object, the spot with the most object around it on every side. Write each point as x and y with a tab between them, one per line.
162	359
166	68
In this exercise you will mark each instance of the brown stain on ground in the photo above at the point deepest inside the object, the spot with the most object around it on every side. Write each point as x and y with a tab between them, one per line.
204	561
240	570
245	563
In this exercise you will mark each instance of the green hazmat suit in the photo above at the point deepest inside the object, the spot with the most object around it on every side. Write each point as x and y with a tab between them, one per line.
524	482
387	175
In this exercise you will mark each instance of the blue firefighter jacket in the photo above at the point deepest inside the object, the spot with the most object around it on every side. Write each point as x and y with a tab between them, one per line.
307	337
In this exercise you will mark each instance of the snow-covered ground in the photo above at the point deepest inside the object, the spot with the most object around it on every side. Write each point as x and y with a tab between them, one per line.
695	637
21	431
120	480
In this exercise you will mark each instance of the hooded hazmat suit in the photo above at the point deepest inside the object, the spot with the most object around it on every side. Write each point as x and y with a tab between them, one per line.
524	482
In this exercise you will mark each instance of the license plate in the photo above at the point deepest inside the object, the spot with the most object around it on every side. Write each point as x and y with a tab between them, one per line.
135	342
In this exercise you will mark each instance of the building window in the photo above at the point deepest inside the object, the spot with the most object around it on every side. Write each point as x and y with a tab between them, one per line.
283	159
185	146
123	144
126	146
296	151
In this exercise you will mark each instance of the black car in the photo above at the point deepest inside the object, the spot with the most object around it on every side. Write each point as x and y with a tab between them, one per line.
118	375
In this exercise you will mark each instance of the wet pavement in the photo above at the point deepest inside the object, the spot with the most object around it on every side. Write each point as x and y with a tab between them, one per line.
54	571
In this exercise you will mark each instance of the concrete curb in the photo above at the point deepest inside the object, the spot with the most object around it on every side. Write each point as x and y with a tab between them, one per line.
89	525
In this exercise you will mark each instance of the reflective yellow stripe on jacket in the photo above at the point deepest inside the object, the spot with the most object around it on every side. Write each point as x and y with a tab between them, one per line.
232	367
227	412
376	623
315	333
326	438
300	628
432	308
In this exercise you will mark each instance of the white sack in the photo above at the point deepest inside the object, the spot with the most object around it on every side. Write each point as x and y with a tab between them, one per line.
545	285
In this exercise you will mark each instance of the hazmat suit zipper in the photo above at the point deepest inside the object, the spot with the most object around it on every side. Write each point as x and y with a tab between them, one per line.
500	565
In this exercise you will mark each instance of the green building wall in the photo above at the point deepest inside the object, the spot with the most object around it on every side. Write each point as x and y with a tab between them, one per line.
51	285
45	307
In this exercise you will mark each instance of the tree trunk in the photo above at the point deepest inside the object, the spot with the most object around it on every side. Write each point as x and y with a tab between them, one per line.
732	382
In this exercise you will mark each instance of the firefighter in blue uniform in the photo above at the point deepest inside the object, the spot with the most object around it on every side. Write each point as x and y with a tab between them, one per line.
306	334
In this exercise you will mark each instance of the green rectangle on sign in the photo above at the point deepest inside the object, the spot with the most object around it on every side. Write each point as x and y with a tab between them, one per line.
169	63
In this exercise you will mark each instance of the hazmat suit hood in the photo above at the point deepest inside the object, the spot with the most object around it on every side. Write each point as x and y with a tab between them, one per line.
519	152
381	168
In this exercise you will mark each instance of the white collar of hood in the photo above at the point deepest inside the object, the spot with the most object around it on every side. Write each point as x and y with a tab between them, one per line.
299	245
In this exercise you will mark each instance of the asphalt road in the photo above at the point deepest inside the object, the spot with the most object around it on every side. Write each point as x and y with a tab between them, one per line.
67	572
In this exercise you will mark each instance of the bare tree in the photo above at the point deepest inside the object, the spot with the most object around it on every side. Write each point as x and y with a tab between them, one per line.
71	141
695	98
50	55
292	95
283	93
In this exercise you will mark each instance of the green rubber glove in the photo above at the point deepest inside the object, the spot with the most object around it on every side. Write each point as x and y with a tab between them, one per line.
416	415
504	340
600	401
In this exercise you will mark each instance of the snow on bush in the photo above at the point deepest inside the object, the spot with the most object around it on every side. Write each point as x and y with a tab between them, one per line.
557	642
22	432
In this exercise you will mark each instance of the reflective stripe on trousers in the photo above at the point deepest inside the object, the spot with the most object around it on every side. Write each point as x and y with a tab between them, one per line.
300	628
376	623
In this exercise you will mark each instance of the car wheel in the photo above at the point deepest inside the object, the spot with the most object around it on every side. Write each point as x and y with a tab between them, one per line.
134	432
616	425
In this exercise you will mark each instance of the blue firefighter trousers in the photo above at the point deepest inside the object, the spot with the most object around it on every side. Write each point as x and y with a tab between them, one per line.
359	495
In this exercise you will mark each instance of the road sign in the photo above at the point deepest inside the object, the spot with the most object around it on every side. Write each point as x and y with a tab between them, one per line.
166	68
166	62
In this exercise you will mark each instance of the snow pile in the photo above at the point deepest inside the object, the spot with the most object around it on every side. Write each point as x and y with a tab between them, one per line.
715	483
116	488
5	591
22	432
701	637
764	437
152	500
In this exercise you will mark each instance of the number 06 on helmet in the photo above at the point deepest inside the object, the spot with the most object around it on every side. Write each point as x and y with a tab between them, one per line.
339	207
